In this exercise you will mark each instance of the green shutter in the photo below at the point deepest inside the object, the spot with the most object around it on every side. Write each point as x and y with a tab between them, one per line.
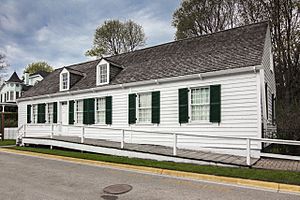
55	112
155	118
215	103
28	113
71	112
108	110
89	111
41	113
266	95
183	102
132	108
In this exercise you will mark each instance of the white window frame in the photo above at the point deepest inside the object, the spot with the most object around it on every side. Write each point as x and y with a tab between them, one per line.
49	118
63	72
11	95
34	114
138	108
103	110
190	104
98	71
78	111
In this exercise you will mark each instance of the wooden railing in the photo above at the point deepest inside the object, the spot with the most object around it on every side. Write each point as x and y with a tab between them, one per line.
52	128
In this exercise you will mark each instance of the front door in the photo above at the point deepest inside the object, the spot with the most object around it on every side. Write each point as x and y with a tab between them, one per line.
64	118
64	113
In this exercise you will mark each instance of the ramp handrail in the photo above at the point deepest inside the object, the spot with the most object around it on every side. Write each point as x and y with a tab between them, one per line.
175	135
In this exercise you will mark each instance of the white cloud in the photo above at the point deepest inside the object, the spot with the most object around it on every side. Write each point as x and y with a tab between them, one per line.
59	32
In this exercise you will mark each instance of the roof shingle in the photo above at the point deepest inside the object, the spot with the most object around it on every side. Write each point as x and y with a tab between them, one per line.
229	49
14	78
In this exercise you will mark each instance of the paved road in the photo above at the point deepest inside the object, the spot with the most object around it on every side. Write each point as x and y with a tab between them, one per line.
31	178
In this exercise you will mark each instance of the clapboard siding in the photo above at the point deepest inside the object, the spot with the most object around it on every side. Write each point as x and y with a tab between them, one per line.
239	110
269	78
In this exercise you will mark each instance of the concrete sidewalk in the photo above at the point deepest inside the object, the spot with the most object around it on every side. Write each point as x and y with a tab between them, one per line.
277	164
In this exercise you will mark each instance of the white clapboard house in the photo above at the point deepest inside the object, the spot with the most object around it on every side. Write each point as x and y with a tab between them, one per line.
219	84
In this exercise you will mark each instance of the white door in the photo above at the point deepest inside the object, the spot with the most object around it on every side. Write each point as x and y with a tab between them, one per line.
64	113
64	118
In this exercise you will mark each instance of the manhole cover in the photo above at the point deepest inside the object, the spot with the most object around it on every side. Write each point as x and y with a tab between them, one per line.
117	189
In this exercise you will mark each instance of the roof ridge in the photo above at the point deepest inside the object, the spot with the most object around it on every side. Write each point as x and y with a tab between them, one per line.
175	41
189	38
76	64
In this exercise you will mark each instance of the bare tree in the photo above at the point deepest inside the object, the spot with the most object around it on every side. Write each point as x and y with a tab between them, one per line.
3	65
284	17
198	17
134	36
115	37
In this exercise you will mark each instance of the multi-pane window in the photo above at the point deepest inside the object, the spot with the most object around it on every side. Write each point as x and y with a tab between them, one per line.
11	96
79	111
64	81
200	104
144	108
103	73
50	113
100	110
34	113
17	95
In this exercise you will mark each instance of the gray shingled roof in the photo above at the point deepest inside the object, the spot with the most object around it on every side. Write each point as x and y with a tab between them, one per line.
14	78
233	48
42	73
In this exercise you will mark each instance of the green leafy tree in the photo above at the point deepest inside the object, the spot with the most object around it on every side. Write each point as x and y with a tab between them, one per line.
38	66
115	37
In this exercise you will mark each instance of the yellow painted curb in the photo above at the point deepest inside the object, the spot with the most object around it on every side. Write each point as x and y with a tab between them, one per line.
229	180
289	188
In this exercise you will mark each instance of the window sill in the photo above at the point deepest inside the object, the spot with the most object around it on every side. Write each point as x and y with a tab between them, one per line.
99	84
145	124
100	124
191	123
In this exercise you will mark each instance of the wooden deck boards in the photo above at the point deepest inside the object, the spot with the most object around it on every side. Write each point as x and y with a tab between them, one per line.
164	150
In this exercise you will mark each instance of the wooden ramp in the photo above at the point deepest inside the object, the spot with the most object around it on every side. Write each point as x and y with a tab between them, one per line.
145	151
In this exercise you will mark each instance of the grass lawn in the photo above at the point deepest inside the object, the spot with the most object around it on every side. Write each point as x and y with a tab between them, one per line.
7	142
246	173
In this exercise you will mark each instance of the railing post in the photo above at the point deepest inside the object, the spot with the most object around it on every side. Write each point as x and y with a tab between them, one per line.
122	138
51	134
248	158
25	129
82	134
175	144
52	131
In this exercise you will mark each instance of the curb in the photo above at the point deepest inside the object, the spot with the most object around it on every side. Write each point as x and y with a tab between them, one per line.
279	187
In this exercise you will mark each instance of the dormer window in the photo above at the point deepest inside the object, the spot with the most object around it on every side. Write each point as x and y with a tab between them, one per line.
64	80
103	72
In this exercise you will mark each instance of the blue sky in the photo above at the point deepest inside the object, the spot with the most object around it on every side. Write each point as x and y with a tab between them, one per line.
60	31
